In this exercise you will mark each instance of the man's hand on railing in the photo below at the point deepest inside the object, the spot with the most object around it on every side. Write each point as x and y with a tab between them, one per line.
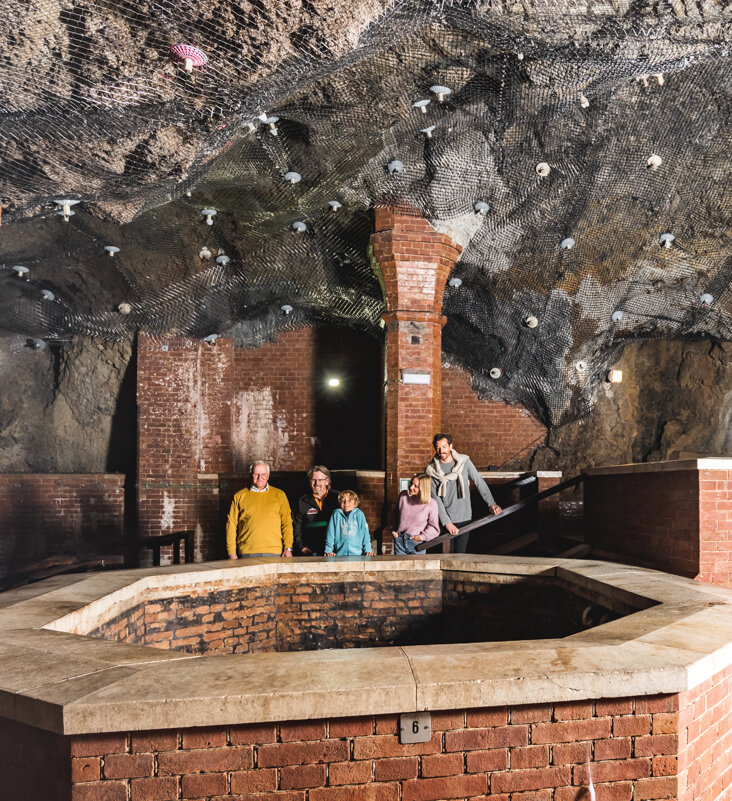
497	513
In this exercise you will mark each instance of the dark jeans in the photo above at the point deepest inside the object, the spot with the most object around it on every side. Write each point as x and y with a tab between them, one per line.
459	544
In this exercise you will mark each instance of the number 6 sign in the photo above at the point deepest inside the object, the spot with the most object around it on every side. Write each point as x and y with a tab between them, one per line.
415	727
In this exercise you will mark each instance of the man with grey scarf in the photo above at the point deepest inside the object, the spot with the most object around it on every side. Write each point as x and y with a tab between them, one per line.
451	473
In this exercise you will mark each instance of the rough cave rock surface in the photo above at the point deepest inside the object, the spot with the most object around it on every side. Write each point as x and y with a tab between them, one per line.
95	109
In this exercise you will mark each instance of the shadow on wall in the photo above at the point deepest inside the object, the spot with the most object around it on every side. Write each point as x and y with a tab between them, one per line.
122	451
348	387
47	522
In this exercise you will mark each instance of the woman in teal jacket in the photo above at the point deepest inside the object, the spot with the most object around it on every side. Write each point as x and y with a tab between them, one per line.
348	533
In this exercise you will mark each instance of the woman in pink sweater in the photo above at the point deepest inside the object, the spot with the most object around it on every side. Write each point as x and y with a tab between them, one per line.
416	516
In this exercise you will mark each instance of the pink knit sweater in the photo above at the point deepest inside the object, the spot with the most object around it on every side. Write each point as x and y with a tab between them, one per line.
414	517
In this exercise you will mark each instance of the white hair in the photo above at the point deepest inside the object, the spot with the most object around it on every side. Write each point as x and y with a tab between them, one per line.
254	464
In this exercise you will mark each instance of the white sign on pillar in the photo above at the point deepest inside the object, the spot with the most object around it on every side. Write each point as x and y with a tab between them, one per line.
415	377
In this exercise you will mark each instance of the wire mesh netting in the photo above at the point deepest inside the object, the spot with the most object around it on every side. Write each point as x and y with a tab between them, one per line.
587	134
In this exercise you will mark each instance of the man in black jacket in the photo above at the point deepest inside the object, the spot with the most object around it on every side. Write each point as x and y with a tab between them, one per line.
313	512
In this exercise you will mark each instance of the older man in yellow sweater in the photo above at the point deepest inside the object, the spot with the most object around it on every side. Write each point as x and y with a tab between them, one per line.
259	522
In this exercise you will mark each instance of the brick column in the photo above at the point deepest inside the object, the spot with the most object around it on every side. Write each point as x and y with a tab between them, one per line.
415	261
184	436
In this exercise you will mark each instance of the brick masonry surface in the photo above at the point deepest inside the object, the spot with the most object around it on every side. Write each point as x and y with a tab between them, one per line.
206	410
370	487
184	435
342	611
35	765
490	432
679	521
49	516
273	403
368	484
209	410
638	749
415	261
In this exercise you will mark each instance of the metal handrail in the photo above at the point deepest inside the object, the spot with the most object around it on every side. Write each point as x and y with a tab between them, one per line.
510	510
61	564
518	482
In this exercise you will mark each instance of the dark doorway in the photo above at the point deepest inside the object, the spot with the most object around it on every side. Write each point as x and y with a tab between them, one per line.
348	415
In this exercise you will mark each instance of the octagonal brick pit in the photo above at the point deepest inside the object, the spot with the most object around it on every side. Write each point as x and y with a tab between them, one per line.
524	700
296	611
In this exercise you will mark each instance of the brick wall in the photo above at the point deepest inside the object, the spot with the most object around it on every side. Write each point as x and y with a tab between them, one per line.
44	517
34	764
490	432
415	261
639	749
284	615
238	620
285	412
369	484
345	611
274	403
705	725
184	434
204	410
715	526
677	520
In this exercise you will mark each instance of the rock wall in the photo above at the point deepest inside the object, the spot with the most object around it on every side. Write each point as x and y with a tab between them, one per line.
71	408
675	401
68	408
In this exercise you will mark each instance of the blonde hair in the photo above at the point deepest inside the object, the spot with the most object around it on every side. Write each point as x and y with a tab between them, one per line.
348	494
425	487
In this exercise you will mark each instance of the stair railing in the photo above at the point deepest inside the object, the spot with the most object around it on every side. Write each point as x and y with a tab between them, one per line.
508	511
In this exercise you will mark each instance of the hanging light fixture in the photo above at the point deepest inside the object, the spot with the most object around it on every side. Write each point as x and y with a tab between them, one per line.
441	91
65	208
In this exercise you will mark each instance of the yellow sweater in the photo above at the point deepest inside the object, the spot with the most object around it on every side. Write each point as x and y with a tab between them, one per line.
259	522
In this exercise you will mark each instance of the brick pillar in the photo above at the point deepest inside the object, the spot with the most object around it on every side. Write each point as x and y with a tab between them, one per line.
415	261
184	435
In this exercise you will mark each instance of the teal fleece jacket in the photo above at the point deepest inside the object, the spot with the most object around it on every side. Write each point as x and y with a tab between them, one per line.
348	536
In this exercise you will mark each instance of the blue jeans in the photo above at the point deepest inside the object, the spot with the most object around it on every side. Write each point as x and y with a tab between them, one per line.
404	544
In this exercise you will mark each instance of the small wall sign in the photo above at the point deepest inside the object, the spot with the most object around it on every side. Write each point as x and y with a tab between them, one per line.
415	727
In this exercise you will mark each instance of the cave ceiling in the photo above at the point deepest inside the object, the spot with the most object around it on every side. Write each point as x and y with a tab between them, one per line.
589	131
